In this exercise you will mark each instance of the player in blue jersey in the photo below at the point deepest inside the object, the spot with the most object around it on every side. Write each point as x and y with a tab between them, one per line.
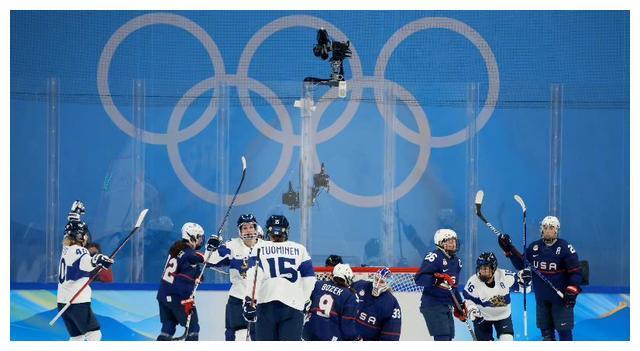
333	308
438	273
558	261
283	284
178	279
235	254
379	316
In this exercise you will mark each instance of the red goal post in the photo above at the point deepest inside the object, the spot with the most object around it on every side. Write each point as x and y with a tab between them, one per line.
401	280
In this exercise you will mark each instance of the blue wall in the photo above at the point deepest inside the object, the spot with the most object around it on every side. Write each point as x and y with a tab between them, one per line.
587	53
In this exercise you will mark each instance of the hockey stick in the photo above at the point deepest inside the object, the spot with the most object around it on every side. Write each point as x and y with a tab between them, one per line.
224	221
95	274
253	290
524	249
459	308
479	198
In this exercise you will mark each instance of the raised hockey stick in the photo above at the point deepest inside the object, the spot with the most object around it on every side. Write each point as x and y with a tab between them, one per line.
459	308
253	290
479	198
95	274
218	233
524	249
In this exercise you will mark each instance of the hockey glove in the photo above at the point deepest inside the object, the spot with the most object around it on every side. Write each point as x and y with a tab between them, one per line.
504	240
73	217
187	305
443	281
100	260
77	207
570	295
524	277
461	315
474	314
213	242
249	310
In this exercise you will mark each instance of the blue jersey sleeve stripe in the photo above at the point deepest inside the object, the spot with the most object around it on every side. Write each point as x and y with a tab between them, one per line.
306	269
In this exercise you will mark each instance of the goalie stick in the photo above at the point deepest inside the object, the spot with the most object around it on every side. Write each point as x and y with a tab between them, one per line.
479	198
218	233
524	249
95	274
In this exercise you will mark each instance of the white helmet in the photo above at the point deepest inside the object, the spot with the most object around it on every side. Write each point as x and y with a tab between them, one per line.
443	235
550	221
344	272
192	232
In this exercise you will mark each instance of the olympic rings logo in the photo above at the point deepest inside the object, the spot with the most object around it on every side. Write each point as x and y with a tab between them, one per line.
286	137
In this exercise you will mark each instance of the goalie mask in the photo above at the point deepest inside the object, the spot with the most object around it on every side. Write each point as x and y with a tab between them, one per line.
343	274
77	231
193	233
486	260
247	227
550	229
447	241
278	228
381	281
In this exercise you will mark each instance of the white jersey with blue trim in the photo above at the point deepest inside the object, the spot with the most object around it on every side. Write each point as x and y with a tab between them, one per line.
494	302
235	254
285	273
73	271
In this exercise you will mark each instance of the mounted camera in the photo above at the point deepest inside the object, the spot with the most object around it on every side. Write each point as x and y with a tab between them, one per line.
340	51
291	198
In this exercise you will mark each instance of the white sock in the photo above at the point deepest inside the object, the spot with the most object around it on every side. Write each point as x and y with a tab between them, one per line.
77	338
506	337
95	335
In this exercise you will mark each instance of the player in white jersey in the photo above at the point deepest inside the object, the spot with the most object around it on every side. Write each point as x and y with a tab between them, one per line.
76	265
284	279
235	254
488	299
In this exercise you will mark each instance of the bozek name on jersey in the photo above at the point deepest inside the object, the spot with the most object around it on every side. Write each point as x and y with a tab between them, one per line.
281	250
332	289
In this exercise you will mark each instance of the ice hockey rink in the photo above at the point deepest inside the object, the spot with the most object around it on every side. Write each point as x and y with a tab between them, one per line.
155	109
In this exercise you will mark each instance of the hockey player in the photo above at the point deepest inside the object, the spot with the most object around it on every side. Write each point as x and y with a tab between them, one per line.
235	254
178	280
284	281
333	308
558	261
438	274
76	265
488	299
379	316
333	260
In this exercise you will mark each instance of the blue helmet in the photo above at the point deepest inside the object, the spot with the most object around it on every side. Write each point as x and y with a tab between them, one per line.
77	231
278	226
247	219
487	259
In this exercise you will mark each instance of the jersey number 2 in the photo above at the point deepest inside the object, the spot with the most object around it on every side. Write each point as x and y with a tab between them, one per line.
169	269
